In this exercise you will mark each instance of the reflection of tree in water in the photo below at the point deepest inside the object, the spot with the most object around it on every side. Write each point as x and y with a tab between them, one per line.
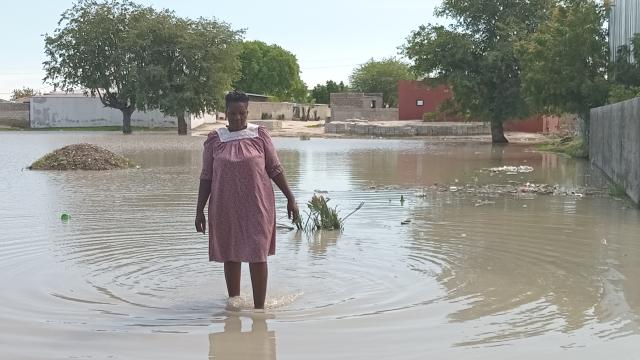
525	269
259	343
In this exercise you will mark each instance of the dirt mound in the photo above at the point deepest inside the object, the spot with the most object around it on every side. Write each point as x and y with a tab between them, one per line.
81	157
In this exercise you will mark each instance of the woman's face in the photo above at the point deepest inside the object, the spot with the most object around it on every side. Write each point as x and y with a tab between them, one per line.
237	114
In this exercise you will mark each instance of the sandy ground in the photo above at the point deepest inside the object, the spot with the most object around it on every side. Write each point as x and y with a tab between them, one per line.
316	129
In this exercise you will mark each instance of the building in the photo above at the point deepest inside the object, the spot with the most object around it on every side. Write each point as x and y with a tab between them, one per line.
624	22
415	98
360	106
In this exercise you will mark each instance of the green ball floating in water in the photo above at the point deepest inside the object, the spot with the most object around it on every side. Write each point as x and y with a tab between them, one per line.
65	217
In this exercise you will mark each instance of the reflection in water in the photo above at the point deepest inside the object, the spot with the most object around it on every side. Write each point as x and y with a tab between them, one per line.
259	343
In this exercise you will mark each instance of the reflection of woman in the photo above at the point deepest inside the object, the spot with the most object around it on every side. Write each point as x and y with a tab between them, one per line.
239	162
259	343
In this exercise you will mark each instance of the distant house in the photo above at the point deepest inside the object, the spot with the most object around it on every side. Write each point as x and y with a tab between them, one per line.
415	98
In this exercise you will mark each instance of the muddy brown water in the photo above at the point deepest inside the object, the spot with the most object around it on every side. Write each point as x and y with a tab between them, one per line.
127	277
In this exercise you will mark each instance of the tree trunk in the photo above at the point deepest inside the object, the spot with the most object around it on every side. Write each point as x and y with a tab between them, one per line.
182	124
126	121
497	133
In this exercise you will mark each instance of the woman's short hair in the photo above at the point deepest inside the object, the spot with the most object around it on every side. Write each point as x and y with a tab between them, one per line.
236	96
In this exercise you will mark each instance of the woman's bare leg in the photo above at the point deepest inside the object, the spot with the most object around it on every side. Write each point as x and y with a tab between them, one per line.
232	272
259	273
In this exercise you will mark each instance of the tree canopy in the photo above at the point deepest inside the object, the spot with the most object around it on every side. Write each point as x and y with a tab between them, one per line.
381	77
476	55
270	70
321	93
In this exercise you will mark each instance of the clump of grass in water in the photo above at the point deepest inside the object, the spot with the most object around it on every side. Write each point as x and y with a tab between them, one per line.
322	217
617	191
571	146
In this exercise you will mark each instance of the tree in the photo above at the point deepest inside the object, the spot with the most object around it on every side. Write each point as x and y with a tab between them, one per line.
191	64
381	77
94	48
270	70
22	93
564	64
321	93
476	56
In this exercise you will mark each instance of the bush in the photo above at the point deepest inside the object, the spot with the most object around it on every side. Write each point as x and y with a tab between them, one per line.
571	146
280	117
429	116
266	116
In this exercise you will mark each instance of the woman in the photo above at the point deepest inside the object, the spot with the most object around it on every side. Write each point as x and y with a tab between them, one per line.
239	162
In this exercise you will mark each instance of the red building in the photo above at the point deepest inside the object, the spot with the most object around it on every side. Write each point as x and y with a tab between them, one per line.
416	98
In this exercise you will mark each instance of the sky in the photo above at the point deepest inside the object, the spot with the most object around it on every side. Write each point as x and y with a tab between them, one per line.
329	37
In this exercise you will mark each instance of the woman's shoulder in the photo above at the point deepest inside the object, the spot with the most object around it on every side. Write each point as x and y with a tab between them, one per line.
212	137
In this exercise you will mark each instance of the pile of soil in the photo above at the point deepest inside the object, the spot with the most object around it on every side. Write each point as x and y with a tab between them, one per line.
81	157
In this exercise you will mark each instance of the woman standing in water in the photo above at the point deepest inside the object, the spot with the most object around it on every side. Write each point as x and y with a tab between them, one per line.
239	162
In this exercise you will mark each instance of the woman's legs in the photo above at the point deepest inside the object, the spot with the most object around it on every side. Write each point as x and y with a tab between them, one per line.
259	273
232	276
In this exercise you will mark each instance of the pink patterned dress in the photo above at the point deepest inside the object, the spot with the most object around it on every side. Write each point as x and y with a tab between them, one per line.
242	216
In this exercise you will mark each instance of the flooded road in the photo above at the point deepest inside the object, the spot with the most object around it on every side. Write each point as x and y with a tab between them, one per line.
523	275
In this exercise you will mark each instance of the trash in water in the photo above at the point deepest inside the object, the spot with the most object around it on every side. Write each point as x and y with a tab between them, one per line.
65	217
320	191
406	222
401	199
512	170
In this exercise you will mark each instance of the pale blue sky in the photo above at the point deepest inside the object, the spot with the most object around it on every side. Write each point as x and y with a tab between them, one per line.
329	37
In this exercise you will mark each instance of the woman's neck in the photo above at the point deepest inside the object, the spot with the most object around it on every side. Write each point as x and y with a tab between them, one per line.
236	127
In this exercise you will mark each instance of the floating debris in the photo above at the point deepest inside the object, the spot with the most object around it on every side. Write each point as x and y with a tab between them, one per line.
406	222
65	216
512	170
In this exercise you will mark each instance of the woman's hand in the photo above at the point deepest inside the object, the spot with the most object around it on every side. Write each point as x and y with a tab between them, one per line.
292	211
201	222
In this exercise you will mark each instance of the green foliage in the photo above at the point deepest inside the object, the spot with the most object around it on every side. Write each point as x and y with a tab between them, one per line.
322	93
271	70
476	55
565	61
134	57
322	217
576	148
191	64
381	77
618	93
92	49
22	93
430	116
617	191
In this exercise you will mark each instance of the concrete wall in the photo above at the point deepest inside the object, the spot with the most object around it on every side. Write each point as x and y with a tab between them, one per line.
285	109
344	114
356	100
614	143
14	115
407	128
74	111
202	119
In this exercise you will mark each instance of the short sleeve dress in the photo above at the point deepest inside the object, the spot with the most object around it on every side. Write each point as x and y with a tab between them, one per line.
240	166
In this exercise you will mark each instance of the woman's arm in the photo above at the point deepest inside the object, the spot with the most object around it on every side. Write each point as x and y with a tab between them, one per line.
204	191
292	207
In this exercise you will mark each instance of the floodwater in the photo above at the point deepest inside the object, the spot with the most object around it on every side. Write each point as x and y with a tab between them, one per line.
127	277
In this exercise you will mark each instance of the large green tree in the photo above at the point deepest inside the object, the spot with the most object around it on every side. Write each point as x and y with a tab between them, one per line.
190	66
476	56
270	70
93	48
381	77
564	64
322	93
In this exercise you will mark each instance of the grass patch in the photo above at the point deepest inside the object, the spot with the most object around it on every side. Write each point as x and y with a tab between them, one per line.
322	217
574	147
617	191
